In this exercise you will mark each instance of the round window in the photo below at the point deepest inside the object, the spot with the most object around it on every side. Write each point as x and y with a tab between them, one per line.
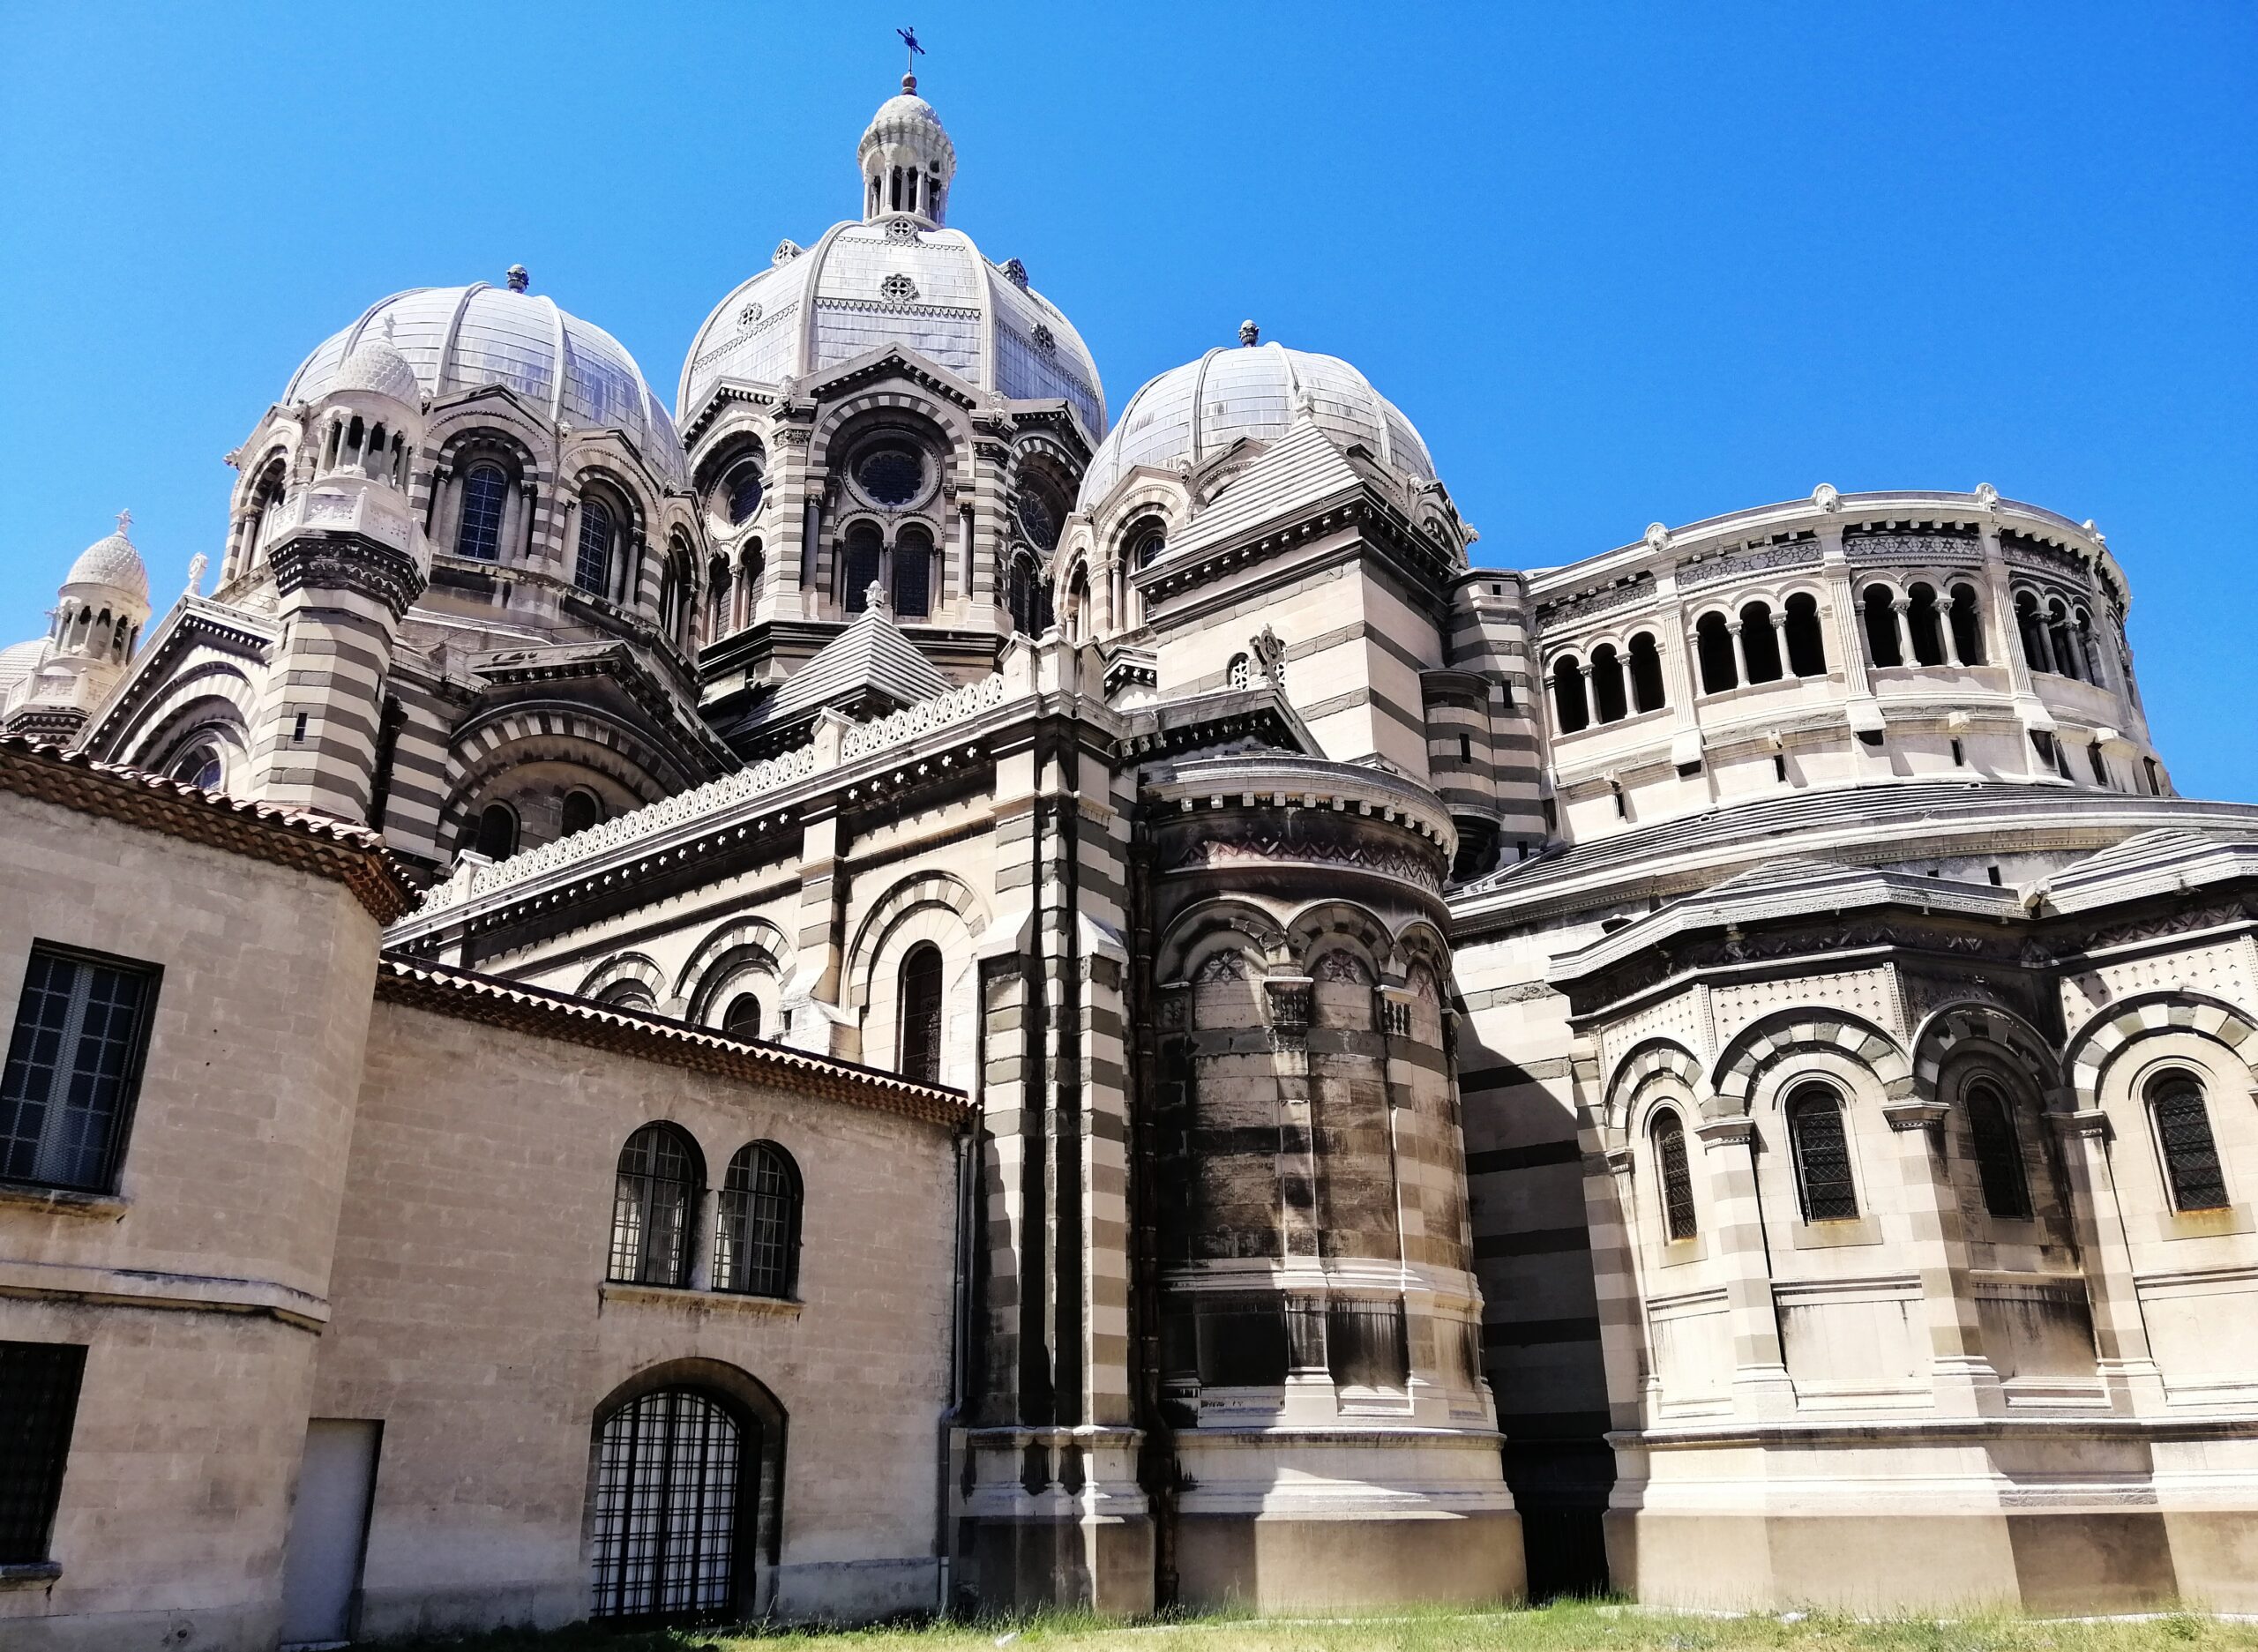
742	493
892	475
1038	518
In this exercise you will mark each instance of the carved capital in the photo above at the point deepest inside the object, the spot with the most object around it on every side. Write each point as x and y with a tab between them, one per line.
1738	1131
347	563
1915	1115
2091	1122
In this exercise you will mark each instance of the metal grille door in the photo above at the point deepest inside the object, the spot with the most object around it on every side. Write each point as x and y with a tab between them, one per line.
669	1471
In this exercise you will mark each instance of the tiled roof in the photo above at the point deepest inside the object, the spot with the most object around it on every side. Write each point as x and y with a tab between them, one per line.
493	1002
317	843
1303	468
870	653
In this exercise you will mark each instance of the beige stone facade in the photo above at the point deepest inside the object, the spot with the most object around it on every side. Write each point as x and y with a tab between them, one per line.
921	996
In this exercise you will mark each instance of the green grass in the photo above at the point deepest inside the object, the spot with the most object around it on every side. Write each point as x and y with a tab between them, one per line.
1563	1627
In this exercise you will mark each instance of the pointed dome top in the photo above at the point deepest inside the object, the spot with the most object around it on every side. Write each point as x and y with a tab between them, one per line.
112	562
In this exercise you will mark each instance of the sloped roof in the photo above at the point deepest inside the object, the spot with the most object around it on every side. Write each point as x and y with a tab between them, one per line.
871	655
1303	467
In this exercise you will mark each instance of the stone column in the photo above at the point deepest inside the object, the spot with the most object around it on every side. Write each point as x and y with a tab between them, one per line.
1739	651
1963	1381
2120	1336
1743	1257
1898	606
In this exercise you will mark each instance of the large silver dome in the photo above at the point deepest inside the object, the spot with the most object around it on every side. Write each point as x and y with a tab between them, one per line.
1194	412
865	285
464	337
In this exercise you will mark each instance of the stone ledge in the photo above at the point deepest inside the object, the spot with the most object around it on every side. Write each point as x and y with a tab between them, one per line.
62	1201
675	1295
29	1574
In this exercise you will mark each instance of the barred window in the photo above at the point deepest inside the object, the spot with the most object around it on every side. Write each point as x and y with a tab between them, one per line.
591	572
74	1064
39	1402
671	1489
862	566
757	1236
1822	1155
1998	1153
2191	1153
1675	1176
921	1015
484	489
651	1207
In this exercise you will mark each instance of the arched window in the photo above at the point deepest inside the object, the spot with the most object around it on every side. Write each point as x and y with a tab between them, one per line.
1077	610
627	995
1806	642
1967	626
1610	704
592	568
1998	1153
751	564
1925	626
741	1019
1822	1155
757	1223
921	1015
1646	674
582	810
498	832
1240	672
1880	614
1759	642
1027	598
1713	646
2183	1133
913	572
1147	543
200	767
1674	1176
673	1472
1571	709
652	1204
861	566
2082	636
485	488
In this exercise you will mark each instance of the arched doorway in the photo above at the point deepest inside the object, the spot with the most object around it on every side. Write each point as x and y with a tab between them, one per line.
687	1467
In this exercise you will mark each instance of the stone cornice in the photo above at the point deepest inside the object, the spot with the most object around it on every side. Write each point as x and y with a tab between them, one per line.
469	996
346	562
316	843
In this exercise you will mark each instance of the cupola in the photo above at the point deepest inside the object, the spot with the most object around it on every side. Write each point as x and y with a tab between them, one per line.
906	160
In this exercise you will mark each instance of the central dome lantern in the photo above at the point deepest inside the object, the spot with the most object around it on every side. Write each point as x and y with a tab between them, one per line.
906	160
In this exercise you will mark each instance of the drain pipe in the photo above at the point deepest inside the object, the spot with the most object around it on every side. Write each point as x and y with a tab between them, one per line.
960	1326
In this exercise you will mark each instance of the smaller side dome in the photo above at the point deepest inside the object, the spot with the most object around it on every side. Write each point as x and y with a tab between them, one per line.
374	364
113	564
19	662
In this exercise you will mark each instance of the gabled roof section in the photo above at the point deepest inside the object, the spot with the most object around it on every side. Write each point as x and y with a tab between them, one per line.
2161	862
1302	470
869	658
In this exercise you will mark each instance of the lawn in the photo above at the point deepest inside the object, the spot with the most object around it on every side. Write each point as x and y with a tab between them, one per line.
1560	1627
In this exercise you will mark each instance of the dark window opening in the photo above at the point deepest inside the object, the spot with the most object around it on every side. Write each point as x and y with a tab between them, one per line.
913	575
1999	1154
1926	624
1465	748
1646	674
741	1019
498	832
861	566
2191	1154
581	812
653	1202
1241	1341
1780	767
38	1403
1570	708
1608	702
921	1015
742	490
74	1065
1822	1155
1881	627
1959	754
592	568
1967	626
1760	643
2155	787
1713	646
757	1225
2100	768
1676	1177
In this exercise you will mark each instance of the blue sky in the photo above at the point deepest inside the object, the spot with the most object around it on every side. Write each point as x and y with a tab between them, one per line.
1619	263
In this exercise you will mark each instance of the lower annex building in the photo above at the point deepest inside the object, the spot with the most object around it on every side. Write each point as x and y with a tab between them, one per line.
889	991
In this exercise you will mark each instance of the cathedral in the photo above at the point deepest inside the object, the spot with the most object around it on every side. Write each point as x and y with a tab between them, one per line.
897	989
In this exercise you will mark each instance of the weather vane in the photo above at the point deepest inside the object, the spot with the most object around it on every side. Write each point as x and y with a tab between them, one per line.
916	51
